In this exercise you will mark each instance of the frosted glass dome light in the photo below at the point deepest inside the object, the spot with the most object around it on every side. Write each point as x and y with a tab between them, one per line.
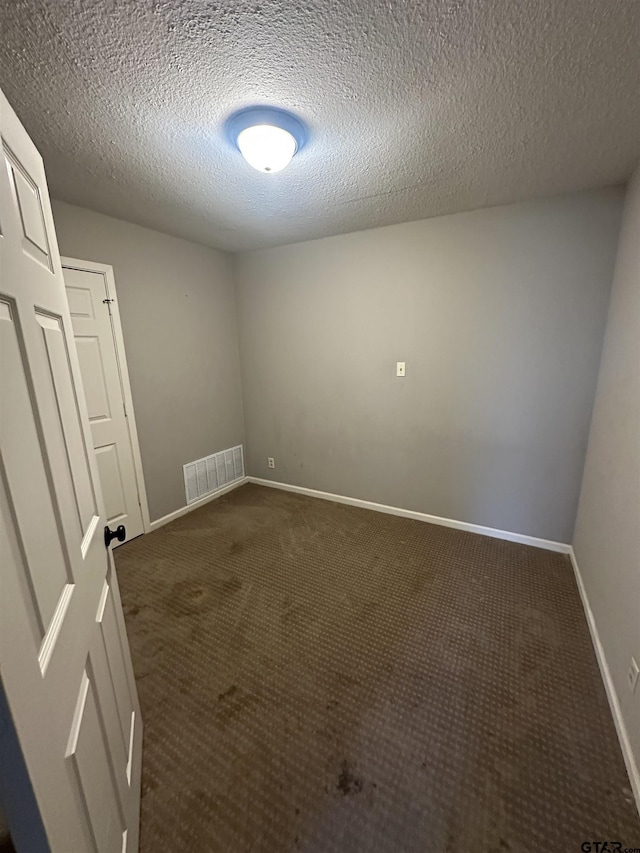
267	148
267	137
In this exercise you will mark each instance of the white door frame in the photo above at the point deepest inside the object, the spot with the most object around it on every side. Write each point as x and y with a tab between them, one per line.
110	283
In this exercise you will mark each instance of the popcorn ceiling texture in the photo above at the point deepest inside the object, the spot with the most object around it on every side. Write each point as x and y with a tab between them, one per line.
415	108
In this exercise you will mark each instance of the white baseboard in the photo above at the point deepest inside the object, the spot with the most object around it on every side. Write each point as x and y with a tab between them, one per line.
547	544
160	522
612	696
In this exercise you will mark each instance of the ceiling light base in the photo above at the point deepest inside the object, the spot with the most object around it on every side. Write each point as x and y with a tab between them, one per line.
267	137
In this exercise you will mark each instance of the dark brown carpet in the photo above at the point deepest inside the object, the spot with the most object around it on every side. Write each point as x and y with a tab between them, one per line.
320	678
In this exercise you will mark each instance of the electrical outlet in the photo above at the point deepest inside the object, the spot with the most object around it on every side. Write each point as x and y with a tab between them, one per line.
401	368
632	675
271	461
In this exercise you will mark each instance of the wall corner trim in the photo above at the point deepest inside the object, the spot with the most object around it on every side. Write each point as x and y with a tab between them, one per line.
160	522
547	544
612	696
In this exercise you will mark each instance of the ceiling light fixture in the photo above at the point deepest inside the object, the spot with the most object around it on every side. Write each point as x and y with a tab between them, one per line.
267	137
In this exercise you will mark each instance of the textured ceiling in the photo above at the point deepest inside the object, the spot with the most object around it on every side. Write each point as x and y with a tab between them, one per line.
415	107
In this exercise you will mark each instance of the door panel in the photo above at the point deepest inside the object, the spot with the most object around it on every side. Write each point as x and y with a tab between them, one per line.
111	481
89	752
116	658
80	302
28	203
65	429
66	673
90	305
117	705
47	569
93	378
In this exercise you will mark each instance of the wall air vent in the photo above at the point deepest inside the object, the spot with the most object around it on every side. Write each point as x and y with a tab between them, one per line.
206	476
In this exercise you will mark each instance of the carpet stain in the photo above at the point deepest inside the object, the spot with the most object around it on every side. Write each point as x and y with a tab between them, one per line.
348	783
187	598
289	650
232	703
228	692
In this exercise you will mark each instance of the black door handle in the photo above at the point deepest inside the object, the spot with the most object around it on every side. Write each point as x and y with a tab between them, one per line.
119	533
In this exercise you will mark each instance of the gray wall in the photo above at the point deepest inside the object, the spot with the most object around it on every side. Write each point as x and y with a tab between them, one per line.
607	535
499	314
178	317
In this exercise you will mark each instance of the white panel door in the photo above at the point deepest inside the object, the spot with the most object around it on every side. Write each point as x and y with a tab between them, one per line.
91	306
64	656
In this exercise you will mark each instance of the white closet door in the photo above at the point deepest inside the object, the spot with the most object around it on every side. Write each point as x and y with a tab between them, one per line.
92	309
